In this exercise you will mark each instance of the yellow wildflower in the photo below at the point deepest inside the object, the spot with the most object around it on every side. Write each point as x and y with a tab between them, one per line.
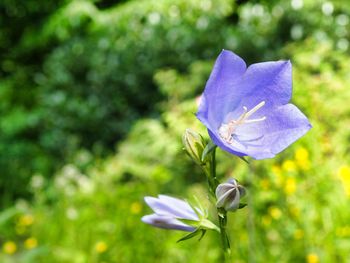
344	172
302	158
26	220
290	186
9	247
275	212
298	234
288	166
101	247
344	175
301	154
303	164
31	243
312	258
135	208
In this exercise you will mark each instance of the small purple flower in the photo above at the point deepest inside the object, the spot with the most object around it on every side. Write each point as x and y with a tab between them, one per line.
168	211
246	110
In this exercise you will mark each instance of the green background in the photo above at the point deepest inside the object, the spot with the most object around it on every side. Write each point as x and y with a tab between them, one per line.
94	99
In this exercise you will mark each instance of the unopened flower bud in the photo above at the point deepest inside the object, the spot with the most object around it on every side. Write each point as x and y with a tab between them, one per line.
229	194
194	145
169	211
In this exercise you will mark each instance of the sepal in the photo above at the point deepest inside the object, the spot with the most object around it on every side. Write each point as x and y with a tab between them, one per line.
242	205
201	227
209	148
243	159
207	224
197	232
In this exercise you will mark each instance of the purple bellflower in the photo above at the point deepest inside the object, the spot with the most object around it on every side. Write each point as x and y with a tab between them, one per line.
168	211
247	110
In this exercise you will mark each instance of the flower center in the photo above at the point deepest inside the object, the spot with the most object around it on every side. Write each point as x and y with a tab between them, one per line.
227	130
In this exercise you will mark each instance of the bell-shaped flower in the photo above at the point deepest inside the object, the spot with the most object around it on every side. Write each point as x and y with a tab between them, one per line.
168	213
247	110
229	195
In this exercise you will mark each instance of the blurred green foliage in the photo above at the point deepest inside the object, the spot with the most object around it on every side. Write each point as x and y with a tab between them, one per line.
79	77
93	77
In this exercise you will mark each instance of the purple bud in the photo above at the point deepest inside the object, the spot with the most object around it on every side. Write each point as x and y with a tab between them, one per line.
229	194
168	213
166	222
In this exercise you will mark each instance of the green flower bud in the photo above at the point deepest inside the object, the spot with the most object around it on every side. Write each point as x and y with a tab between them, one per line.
229	194
194	145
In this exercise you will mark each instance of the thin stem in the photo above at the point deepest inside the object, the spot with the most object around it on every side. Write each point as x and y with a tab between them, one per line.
213	164
222	215
223	235
250	221
211	183
215	181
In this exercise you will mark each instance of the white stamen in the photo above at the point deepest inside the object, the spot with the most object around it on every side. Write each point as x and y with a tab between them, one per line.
252	111
227	130
255	120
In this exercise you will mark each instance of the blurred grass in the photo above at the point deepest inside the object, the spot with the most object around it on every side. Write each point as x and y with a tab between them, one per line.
89	209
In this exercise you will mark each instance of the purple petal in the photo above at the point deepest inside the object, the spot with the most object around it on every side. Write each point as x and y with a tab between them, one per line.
180	205
225	146
222	189
166	222
233	201
227	71
169	206
268	81
283	126
223	199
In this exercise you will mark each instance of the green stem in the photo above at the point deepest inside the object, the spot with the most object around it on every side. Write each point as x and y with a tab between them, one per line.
213	164
222	215
214	180
223	235
250	221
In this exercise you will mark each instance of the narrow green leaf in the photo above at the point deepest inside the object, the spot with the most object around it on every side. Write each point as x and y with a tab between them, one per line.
203	233
190	235
243	159
228	242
